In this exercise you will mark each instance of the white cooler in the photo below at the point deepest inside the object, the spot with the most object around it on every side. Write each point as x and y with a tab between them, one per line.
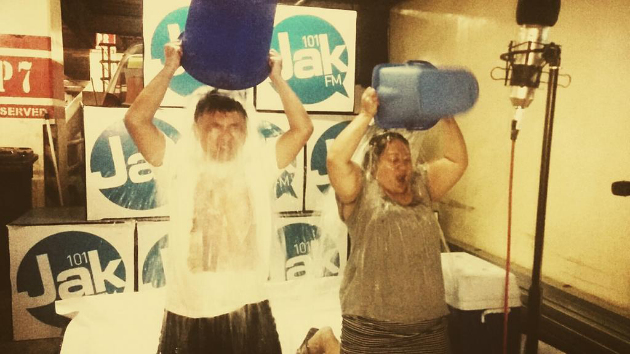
475	295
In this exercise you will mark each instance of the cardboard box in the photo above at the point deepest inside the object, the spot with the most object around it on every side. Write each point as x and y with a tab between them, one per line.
152	244
318	49
119	182
163	21
305	249
325	130
55	254
289	187
475	294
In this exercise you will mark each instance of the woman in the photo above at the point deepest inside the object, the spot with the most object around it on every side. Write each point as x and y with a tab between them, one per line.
392	291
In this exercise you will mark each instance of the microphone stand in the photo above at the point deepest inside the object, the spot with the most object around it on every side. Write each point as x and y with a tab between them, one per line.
551	54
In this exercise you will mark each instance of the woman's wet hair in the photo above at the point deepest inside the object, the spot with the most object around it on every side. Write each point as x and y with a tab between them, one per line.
214	101
377	145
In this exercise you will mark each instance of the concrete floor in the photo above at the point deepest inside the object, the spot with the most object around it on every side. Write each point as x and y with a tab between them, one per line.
543	348
53	346
7	346
39	346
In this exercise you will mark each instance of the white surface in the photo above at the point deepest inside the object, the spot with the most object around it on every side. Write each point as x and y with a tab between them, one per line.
299	305
474	284
120	323
131	323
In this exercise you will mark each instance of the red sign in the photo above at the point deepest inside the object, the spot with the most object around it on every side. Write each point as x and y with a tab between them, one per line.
25	111
27	76
25	42
105	38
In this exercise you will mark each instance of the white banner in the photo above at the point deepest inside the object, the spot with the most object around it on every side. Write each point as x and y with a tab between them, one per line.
309	250
325	131
119	182
162	22
318	58
152	245
289	188
55	262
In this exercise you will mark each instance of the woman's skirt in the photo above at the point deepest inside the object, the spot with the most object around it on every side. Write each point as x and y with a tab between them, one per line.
363	336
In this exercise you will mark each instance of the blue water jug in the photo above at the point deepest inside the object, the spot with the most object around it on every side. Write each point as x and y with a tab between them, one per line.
415	95
226	43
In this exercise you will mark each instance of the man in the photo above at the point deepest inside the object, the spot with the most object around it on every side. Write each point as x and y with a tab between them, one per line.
219	180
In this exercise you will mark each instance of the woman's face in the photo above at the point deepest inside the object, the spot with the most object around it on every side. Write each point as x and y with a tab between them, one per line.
221	134
394	168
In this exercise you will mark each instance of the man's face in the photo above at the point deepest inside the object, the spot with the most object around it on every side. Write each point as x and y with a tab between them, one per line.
393	169
221	134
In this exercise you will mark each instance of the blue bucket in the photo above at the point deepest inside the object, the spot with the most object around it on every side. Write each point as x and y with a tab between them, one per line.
416	95
226	43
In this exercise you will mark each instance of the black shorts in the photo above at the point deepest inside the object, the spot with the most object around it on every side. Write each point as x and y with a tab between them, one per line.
248	330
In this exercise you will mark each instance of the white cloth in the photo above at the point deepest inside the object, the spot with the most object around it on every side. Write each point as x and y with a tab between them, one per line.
241	266
131	322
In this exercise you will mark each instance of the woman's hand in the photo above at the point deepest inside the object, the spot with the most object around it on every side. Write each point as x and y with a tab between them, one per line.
369	102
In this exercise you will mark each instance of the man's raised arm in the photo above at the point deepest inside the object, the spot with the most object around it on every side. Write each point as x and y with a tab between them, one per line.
139	118
300	125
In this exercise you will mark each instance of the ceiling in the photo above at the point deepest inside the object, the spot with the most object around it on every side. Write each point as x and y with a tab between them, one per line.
82	19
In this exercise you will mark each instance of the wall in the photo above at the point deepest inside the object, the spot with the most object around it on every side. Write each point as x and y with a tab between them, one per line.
40	18
586	226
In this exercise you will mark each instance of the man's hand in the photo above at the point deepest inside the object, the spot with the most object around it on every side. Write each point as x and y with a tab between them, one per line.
172	55
275	64
369	102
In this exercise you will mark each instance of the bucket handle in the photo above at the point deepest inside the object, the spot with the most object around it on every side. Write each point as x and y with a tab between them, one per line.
387	92
422	63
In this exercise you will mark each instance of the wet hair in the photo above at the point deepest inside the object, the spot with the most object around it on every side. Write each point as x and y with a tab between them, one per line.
214	101
377	145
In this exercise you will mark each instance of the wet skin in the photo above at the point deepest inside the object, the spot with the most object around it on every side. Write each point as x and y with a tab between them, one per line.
222	134
393	172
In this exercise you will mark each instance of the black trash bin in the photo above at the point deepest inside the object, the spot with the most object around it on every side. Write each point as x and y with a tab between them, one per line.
16	175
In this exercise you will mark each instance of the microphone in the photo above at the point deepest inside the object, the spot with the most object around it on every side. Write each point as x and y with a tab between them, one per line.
525	57
621	188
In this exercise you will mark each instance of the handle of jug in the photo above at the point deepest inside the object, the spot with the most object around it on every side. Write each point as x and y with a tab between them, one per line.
385	94
422	63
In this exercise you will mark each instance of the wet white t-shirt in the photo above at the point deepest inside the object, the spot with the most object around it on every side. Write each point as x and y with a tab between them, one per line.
220	228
